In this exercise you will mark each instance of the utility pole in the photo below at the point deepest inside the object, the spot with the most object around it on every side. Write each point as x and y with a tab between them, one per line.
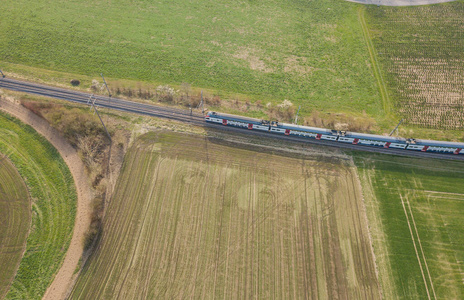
202	104
296	117
92	100
107	133
3	75
396	128
104	81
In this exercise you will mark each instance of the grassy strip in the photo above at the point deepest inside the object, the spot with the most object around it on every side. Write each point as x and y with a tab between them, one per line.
375	65
51	187
415	210
15	213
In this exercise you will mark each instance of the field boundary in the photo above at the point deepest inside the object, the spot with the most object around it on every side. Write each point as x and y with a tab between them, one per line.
64	277
415	247
375	64
420	246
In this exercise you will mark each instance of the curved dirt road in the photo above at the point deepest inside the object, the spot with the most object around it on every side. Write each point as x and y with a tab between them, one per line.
64	278
400	2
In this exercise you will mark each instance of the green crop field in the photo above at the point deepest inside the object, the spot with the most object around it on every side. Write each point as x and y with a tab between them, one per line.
15	221
53	195
420	50
195	219
310	52
416	217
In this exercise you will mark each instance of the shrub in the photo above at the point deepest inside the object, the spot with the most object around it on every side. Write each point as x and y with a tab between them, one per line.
284	112
95	223
96	86
166	93
75	82
213	101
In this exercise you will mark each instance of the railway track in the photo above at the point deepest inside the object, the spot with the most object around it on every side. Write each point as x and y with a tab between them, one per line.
194	118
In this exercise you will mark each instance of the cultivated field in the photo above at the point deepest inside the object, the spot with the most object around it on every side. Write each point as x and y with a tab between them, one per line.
421	53
53	196
416	217
195	219
15	221
310	52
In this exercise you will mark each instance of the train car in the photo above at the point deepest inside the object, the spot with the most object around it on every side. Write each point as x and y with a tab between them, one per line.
306	131
372	140
340	136
436	146
237	121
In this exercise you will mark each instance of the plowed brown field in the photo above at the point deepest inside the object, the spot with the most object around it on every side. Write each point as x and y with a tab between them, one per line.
195	219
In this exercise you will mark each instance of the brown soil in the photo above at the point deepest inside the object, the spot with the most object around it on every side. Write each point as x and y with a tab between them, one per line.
64	278
192	218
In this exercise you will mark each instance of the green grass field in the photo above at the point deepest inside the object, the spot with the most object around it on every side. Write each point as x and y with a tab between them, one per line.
15	221
313	53
53	195
420	50
416	217
310	52
194	219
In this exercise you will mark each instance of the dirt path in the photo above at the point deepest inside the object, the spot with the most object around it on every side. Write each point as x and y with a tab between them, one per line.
64	278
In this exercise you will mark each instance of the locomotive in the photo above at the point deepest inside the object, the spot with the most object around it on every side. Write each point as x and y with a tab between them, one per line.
335	135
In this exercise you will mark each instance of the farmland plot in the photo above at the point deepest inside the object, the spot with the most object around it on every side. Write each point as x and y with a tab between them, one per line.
194	219
415	211
15	219
420	49
303	51
53	206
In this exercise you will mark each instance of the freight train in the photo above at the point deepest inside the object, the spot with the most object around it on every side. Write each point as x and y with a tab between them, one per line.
335	135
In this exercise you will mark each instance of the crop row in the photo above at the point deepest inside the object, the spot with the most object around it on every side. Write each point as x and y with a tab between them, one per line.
194	219
15	213
53	194
420	49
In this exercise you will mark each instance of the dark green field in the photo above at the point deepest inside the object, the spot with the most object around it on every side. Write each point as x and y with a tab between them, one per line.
416	217
53	195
